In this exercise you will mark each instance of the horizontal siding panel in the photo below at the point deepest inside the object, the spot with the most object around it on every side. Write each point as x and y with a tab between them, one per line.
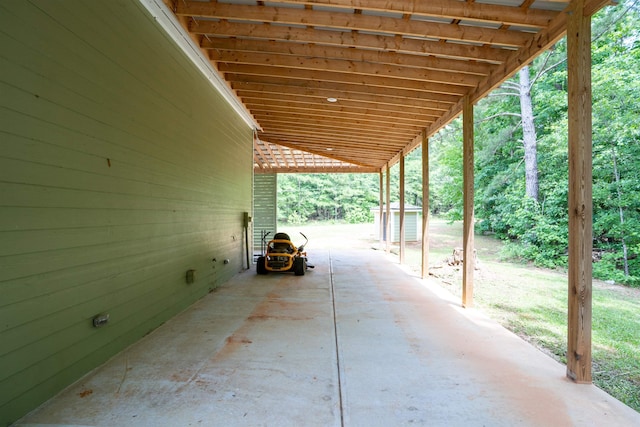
13	218
30	241
100	277
120	169
75	323
91	133
94	172
16	266
264	210
155	303
35	101
51	301
48	197
144	170
86	68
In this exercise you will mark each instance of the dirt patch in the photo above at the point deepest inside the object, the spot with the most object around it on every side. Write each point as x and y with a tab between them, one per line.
622	290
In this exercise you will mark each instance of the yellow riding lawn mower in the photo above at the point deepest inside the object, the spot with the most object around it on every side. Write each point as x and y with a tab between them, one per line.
282	255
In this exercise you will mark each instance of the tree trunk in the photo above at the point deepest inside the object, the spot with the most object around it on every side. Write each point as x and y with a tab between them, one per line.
529	135
616	175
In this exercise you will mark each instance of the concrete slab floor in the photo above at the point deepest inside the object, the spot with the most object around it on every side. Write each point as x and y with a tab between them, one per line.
356	342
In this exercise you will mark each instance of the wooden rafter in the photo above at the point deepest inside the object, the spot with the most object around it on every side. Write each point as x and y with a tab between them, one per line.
396	69
356	68
463	51
445	9
352	21
297	49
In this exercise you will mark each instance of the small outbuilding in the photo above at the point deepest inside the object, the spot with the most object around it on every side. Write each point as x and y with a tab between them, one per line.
412	222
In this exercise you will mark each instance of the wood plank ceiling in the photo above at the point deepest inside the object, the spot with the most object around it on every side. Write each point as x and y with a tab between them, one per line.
350	85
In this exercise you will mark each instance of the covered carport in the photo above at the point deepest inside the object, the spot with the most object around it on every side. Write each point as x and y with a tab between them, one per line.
129	128
364	83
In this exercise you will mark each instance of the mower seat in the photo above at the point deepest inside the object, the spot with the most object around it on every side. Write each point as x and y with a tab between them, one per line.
282	247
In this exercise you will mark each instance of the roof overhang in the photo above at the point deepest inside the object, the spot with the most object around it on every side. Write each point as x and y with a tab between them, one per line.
352	85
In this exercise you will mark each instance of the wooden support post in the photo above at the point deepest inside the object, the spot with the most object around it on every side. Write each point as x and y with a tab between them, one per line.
387	224
580	194
402	237
468	216
425	205
381	213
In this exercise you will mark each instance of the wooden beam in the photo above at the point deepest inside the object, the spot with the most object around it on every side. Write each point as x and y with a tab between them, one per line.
353	21
353	39
374	124
323	105
317	169
402	222
351	152
273	156
468	220
580	194
339	114
343	143
297	49
592	6
358	98
276	112
381	212
340	128
342	66
396	82
387	224
425	205
284	157
452	9
312	132
326	125
442	101
264	107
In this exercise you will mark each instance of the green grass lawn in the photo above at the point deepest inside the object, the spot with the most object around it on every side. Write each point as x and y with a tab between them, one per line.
532	302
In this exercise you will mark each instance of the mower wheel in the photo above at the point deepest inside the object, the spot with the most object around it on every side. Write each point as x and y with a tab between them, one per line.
299	266
261	266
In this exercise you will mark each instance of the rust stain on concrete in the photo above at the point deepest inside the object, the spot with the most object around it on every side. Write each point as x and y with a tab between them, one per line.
85	393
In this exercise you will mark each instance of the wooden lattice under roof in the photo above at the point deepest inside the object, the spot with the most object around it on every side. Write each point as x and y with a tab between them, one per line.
393	69
274	158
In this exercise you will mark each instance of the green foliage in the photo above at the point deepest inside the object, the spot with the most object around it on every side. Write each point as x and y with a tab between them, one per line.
343	197
327	197
445	180
616	143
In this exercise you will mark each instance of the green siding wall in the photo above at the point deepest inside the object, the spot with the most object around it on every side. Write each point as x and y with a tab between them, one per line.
265	187
120	169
